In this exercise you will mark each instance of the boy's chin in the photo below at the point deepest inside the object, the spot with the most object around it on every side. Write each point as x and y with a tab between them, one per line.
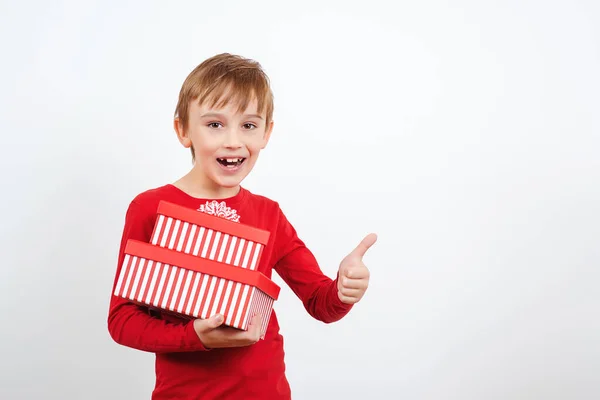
229	182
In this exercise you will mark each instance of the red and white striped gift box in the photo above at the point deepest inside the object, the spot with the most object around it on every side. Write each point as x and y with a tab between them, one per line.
193	286
208	236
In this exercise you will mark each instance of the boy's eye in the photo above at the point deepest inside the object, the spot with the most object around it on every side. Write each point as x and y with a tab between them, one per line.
214	124
249	126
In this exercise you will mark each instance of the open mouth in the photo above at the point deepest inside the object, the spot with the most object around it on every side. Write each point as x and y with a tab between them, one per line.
231	162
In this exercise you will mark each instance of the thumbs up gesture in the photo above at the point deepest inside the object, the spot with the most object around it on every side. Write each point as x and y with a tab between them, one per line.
353	277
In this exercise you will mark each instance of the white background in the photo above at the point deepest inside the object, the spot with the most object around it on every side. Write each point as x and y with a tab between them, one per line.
464	133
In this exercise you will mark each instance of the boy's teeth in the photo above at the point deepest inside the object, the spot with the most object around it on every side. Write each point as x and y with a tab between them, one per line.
230	162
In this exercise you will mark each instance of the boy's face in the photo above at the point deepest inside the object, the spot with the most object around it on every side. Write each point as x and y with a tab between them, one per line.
226	143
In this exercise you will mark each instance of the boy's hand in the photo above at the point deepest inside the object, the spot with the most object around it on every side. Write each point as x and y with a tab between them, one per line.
213	335
353	274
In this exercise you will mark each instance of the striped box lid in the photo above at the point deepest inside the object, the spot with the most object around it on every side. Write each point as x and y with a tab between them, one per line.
208	236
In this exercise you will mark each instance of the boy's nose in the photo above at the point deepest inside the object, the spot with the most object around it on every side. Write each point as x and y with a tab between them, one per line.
232	139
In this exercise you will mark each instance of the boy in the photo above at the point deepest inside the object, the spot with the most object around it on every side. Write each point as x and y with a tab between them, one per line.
224	116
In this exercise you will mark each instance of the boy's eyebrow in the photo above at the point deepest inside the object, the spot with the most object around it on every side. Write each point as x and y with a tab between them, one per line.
213	114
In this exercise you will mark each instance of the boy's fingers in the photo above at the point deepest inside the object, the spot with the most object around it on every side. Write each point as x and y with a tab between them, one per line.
234	337
356	273
255	327
347	299
256	322
354	283
351	292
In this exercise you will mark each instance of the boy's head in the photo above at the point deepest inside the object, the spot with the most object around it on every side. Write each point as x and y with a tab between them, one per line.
225	111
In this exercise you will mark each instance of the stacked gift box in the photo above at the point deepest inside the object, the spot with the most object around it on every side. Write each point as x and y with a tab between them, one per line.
197	265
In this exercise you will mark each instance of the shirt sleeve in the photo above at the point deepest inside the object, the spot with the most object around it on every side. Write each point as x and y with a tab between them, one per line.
299	269
134	325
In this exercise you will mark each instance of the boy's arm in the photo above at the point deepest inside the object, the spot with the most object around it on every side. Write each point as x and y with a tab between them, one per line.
300	270
132	325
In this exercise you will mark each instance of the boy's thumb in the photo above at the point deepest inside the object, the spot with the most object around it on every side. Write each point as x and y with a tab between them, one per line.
215	321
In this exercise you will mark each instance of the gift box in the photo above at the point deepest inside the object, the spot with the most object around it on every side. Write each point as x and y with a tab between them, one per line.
193	286
208	236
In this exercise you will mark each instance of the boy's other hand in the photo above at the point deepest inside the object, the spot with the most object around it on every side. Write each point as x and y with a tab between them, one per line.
213	334
353	278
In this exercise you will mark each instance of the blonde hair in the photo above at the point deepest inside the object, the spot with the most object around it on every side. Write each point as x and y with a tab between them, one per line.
243	78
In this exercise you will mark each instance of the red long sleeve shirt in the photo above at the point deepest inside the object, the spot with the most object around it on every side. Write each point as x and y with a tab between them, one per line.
185	369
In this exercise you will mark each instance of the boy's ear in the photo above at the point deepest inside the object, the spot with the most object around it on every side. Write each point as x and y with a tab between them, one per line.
181	134
267	134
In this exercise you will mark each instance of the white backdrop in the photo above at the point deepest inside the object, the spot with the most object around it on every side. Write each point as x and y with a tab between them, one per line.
464	133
